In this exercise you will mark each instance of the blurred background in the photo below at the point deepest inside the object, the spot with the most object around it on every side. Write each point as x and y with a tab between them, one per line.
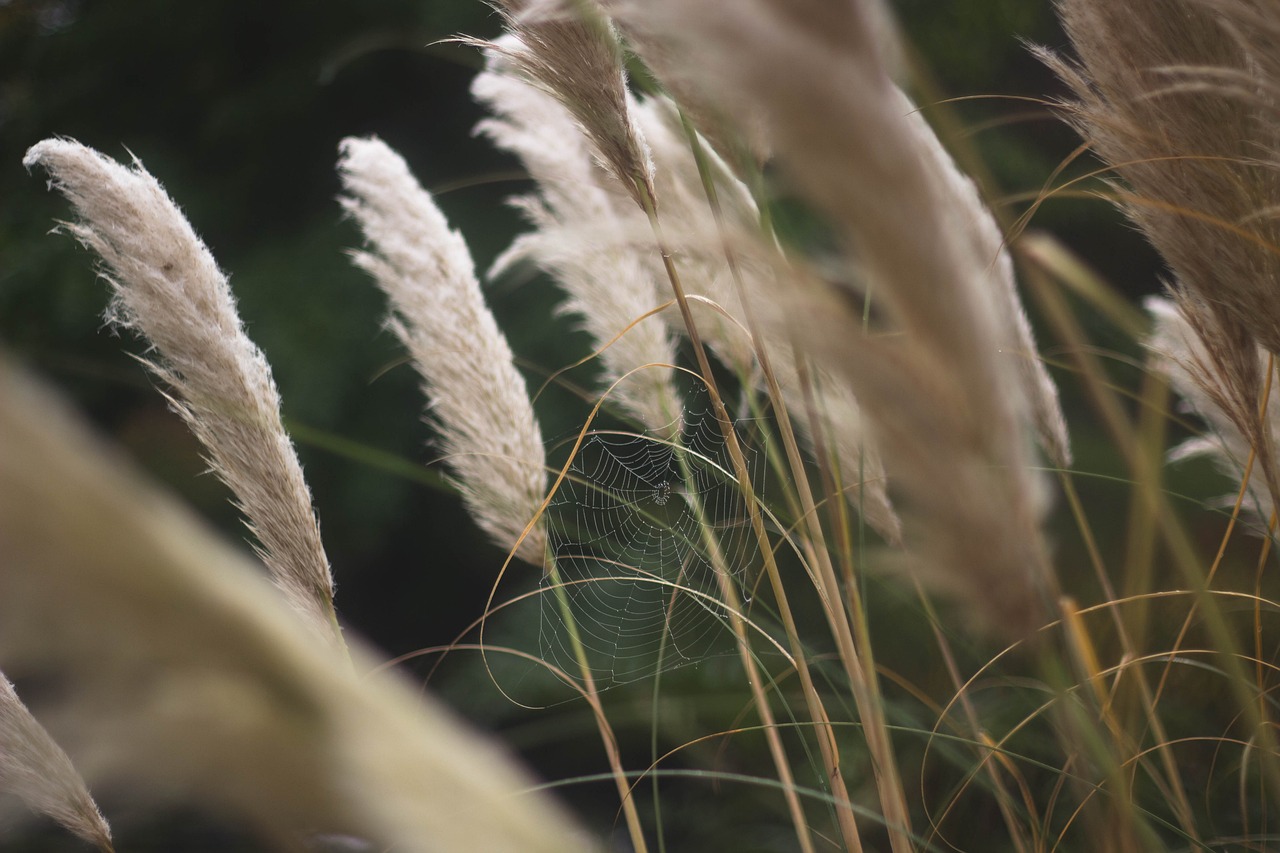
237	107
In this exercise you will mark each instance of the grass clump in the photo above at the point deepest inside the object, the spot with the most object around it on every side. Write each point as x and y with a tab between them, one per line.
796	547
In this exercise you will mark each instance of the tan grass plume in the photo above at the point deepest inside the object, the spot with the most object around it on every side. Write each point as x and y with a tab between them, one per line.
478	399
168	289
572	52
1181	98
584	239
36	770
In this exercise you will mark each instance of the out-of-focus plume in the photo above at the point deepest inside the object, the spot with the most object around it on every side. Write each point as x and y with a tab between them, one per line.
931	379
187	681
703	246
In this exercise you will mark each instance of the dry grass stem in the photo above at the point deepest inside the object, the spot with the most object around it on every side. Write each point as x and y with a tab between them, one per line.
187	680
478	399
36	770
168	289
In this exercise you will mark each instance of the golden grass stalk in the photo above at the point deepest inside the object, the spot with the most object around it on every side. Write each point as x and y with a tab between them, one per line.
187	679
582	240
36	770
930	377
168	288
583	21
478	399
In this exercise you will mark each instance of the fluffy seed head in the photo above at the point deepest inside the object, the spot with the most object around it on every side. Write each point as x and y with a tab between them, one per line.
479	402
37	771
570	49
1182	99
168	289
585	236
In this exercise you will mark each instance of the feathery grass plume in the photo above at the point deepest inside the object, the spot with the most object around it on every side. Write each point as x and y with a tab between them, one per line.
738	134
168	289
1192	361
37	771
701	243
187	679
1180	98
936	391
1017	342
582	239
478	399
573	53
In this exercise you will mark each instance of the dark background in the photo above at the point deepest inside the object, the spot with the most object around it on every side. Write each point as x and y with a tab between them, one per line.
238	107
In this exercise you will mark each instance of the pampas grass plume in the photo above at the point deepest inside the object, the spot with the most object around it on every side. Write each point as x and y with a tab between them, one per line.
168	288
478	399
571	50
587	240
35	769
1180	97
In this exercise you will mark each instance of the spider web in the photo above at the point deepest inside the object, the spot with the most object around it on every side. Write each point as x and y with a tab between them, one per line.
645	533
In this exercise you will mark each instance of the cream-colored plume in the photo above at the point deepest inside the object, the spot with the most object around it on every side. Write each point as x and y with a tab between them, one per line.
1016	343
587	241
478	399
188	681
930	376
37	771
168	289
1193	365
